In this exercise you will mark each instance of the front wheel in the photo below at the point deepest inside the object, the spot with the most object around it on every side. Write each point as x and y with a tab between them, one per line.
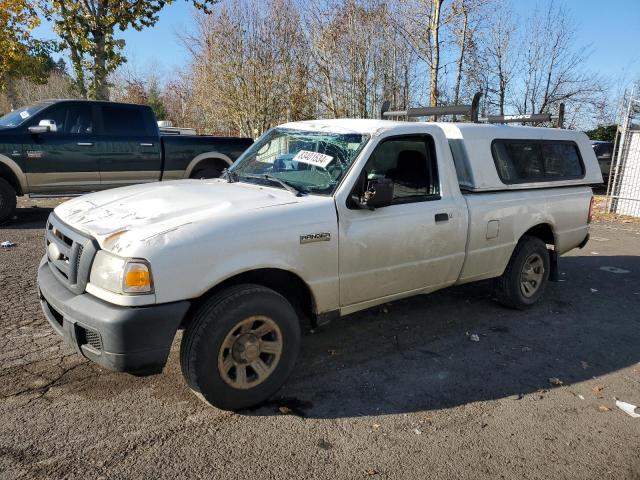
240	347
7	200
526	276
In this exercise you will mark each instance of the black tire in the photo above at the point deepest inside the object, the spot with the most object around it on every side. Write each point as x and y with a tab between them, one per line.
7	200
218	318
513	288
206	172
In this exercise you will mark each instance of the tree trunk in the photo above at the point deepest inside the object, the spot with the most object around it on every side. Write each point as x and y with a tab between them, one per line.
100	88
463	44
434	26
502	83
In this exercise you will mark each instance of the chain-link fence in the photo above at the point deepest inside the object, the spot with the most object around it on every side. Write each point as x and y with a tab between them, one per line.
623	188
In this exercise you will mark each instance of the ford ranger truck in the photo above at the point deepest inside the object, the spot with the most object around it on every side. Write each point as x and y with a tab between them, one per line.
69	147
316	220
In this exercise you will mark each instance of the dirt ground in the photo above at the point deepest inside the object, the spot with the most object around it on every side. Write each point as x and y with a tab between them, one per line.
393	392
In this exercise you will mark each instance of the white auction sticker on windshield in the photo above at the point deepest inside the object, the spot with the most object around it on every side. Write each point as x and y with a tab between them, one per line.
313	158
24	114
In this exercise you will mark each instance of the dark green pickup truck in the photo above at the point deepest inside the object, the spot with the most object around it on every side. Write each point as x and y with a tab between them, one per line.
75	146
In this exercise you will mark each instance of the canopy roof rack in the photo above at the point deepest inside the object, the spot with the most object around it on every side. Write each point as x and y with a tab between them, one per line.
471	111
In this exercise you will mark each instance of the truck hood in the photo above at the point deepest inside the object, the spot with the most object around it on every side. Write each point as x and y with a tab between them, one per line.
118	217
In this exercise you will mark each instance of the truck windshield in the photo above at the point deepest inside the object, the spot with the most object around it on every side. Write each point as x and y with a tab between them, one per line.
15	118
308	161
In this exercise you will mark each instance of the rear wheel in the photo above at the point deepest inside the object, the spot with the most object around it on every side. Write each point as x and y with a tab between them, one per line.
240	347
210	171
7	200
526	276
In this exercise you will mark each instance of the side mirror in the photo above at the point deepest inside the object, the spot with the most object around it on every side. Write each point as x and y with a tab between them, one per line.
379	193
44	126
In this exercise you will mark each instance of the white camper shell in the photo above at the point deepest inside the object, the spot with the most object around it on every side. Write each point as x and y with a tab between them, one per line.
476	157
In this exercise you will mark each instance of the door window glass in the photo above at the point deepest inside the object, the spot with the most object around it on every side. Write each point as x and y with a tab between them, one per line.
75	119
79	120
409	162
123	121
58	114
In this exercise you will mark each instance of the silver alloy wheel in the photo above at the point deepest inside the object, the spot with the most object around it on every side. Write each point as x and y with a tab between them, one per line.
531	275
250	352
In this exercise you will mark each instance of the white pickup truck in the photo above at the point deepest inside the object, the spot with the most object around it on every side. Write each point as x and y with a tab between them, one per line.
316	220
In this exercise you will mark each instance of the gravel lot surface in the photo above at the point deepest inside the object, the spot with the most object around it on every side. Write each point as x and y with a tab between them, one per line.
393	392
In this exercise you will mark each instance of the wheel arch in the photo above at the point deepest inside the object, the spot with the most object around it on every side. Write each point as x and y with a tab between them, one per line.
543	231
12	173
288	284
207	158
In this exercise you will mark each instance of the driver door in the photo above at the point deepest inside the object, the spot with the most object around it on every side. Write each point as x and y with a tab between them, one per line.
415	244
64	160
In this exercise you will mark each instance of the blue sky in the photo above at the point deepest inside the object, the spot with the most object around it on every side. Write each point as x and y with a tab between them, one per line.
612	29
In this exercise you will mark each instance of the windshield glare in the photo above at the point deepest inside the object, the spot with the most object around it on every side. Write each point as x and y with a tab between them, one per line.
15	118
311	162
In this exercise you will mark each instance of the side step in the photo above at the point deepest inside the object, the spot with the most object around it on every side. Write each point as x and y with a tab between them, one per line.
55	195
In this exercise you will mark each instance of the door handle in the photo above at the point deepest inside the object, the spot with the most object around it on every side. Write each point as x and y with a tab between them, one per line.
146	144
442	217
85	144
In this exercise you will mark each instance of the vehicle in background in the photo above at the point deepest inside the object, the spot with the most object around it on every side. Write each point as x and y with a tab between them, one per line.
604	154
316	220
166	128
67	147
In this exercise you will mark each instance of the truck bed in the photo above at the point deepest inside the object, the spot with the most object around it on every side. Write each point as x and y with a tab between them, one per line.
498	219
180	150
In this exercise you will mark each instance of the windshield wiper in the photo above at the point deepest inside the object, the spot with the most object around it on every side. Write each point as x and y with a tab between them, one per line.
271	178
229	176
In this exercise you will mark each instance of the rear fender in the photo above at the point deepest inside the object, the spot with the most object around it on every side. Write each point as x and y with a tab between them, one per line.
203	157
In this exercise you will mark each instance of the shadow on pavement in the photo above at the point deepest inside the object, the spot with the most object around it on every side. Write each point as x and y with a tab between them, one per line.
28	218
418	356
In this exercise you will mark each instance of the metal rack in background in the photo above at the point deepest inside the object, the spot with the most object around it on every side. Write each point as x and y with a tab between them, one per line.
472	111
623	186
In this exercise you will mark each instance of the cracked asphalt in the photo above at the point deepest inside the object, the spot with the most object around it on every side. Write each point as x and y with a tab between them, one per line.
394	392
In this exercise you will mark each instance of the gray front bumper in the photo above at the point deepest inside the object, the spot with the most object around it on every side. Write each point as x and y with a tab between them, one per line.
124	339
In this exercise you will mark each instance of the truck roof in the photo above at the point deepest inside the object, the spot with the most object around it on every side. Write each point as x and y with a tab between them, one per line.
345	125
454	129
51	101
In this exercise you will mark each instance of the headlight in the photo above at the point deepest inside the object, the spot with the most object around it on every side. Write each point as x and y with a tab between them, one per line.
121	275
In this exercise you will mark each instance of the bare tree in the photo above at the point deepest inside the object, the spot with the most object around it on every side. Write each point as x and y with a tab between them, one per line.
462	37
553	67
26	91
358	57
420	22
248	65
178	95
255	63
501	56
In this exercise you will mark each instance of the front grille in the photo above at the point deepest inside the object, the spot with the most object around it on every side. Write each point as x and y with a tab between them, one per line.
78	257
69	254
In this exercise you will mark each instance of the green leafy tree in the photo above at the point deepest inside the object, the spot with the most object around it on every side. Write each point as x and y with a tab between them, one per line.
87	30
20	54
155	101
605	133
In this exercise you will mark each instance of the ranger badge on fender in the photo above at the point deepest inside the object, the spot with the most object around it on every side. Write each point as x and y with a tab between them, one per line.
315	237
